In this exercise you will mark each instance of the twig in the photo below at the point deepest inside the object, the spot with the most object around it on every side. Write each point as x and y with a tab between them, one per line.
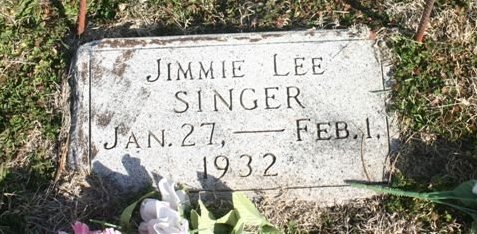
83	8
424	20
362	159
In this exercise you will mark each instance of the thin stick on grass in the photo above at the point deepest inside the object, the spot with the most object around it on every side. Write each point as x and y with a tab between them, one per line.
424	20
82	17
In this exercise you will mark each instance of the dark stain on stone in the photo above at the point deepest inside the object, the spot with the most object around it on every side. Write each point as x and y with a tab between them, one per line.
83	72
145	93
128	43
104	119
268	35
94	151
186	39
242	38
123	129
310	33
121	63
97	71
83	144
118	43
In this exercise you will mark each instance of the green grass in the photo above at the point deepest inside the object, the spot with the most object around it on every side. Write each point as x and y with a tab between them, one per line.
436	87
435	92
32	65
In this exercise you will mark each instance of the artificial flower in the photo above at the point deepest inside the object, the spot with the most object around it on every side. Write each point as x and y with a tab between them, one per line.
165	226
82	228
108	231
155	209
160	218
176	198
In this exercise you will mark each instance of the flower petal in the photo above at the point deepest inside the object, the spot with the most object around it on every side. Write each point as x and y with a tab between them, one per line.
153	227
110	231
167	213
168	193
143	228
167	225
184	228
176	227
183	198
80	228
150	208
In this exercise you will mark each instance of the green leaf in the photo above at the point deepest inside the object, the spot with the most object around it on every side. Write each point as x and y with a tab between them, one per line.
229	218
205	221
238	228
246	210
267	229
125	218
194	219
387	190
464	193
249	215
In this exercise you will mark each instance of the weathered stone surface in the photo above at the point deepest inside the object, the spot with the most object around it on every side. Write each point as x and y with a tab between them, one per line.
294	111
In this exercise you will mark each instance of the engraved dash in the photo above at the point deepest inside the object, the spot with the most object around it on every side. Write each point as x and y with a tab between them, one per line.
259	131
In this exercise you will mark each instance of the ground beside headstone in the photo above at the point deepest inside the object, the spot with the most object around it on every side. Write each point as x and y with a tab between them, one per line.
265	112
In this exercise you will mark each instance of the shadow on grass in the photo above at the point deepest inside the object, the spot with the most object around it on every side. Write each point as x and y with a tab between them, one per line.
439	165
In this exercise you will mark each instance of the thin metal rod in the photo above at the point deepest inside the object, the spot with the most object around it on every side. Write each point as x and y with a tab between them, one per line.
83	9
424	20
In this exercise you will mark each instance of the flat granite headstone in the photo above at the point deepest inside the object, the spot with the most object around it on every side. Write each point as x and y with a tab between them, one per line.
299	112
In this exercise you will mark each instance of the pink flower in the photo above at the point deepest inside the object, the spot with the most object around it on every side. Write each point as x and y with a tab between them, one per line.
80	228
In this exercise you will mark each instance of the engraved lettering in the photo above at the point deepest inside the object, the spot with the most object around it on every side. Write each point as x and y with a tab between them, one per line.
319	132
299	66
272	97
340	128
228	104
151	135
242	98
237	67
132	139
115	140
206	73
185	73
183	101
295	96
148	77
275	67
299	128
316	63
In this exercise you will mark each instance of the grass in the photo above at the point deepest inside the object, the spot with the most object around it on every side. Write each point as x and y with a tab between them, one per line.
437	87
435	98
32	65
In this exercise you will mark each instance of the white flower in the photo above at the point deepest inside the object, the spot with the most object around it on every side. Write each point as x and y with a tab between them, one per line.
171	226
176	198
160	218
154	209
474	189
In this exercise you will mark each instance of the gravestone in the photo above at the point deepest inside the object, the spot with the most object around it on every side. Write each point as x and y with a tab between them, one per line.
299	112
